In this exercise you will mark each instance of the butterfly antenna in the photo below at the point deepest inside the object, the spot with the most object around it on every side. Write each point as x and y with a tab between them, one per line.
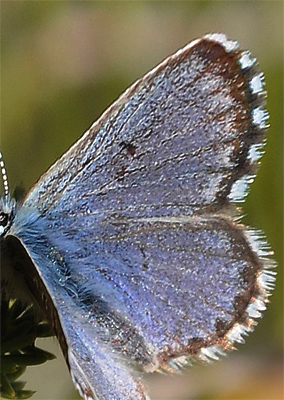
4	176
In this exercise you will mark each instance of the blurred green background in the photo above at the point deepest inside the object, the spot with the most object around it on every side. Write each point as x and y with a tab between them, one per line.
63	63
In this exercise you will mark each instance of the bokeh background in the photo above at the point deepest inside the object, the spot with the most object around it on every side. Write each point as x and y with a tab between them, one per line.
63	63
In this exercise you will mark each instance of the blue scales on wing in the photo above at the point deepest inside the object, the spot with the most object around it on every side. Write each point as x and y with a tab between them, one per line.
139	251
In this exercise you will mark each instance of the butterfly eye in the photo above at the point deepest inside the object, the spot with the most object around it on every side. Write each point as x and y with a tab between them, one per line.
4	219
7	213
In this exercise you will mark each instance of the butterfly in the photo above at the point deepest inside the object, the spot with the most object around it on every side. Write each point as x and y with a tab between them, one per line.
130	244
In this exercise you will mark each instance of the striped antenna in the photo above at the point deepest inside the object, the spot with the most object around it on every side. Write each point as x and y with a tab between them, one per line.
4	176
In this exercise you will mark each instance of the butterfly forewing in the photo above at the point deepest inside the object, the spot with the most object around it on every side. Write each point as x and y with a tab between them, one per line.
137	251
174	143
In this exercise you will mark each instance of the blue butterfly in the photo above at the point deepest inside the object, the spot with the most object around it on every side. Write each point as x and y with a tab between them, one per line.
130	239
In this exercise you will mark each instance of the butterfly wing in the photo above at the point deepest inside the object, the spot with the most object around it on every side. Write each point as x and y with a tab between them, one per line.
132	251
176	142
